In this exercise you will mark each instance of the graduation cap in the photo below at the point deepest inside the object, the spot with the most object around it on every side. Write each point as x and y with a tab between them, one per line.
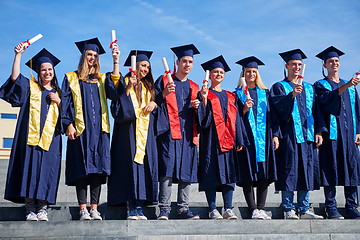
44	56
329	53
186	50
140	56
90	44
250	62
295	54
218	62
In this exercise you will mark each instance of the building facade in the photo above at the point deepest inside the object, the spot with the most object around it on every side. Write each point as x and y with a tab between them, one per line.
8	119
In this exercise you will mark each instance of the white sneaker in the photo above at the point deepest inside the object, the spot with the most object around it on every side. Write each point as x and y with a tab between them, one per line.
95	215
84	215
214	214
310	215
290	215
255	214
264	215
42	216
31	216
229	214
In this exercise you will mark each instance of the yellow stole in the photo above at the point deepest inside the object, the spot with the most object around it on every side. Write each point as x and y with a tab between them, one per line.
34	138
76	93
142	121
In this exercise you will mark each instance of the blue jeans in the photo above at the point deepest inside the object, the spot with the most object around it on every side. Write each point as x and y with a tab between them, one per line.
302	199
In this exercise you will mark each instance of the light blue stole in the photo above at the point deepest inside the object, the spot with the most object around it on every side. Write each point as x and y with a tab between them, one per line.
309	93
258	125
333	123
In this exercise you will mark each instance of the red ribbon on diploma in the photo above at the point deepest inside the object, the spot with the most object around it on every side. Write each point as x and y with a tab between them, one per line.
167	72
132	71
246	91
112	43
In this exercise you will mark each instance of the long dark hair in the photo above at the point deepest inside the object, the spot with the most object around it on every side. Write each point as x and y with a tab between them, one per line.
148	82
54	82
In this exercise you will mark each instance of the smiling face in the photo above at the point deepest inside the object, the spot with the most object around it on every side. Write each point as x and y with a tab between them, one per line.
250	74
46	72
143	69
91	57
332	65
293	67
185	64
217	75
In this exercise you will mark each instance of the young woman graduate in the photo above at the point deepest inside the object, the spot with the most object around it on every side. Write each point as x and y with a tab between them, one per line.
256	166
134	178
35	160
86	121
301	125
220	134
339	155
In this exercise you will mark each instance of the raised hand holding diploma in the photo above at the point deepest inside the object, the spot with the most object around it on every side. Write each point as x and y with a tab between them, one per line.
170	87
113	40
301	74
28	42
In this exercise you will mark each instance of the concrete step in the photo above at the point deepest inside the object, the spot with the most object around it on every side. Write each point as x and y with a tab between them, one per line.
66	211
183	229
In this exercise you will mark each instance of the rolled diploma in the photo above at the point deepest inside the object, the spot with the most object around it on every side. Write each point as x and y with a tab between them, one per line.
301	74
242	83
206	80
31	41
133	63
166	67
113	38
247	93
357	75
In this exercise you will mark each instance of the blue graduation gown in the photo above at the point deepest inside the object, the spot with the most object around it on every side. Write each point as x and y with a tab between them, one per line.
32	172
339	159
216	168
297	163
177	157
90	152
247	171
130	180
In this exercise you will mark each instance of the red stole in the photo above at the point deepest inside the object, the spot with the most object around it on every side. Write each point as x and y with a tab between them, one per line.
173	111
225	131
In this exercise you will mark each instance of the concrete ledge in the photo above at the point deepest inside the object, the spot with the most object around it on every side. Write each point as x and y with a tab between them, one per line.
183	229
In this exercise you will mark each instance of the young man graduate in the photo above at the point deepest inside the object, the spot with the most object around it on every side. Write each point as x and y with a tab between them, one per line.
177	133
301	126
339	155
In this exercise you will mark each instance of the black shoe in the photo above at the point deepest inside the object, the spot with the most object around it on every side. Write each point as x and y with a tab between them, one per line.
187	214
352	213
332	213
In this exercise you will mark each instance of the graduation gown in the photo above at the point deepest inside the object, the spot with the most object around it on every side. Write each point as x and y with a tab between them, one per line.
339	159
297	163
216	168
177	157
90	152
130	180
248	170
32	172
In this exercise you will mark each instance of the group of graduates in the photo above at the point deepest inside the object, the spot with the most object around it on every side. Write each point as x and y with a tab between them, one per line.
298	135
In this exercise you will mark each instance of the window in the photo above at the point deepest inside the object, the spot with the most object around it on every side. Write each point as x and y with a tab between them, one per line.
7	142
8	116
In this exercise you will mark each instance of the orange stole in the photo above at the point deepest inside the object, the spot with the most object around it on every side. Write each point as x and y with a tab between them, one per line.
225	131
173	111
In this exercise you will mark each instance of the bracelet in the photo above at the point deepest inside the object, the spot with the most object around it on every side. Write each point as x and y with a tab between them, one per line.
116	62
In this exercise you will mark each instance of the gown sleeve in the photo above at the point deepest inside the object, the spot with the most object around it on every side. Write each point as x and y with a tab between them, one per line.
15	93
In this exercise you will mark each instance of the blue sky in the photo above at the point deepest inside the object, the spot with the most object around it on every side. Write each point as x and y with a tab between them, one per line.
235	29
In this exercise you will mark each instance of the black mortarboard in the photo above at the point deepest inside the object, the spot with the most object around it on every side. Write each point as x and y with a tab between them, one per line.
90	44
42	57
140	56
295	54
329	53
218	62
186	50
250	62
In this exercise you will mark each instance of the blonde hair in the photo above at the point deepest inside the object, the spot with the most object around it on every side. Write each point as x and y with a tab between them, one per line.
84	70
258	81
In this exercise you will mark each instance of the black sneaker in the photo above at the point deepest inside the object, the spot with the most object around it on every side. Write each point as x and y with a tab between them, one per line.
332	213
164	214
187	214
352	213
